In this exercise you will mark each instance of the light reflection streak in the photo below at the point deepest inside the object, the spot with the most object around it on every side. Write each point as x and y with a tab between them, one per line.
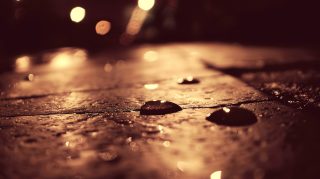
136	21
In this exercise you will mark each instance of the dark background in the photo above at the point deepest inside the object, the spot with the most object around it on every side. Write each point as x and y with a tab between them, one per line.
33	25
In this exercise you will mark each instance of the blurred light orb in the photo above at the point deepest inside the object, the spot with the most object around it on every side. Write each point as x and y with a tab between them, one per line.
67	57
150	56
23	64
77	14
146	4
103	27
107	67
151	86
216	175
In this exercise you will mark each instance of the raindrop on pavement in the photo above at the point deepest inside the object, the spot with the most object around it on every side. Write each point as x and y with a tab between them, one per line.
158	107
109	156
233	116
29	77
188	81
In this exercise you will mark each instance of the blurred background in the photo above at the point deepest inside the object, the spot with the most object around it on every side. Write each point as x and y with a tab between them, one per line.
29	26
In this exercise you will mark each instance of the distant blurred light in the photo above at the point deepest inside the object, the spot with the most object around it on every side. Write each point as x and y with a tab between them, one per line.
103	27
150	56
216	175
136	21
107	67
23	64
146	4
151	86
77	14
66	58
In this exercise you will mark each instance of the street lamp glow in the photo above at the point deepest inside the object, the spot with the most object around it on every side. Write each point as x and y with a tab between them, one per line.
77	14
146	4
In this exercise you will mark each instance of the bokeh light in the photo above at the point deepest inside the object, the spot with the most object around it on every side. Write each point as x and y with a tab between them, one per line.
216	175
66	58
146	4
151	86
103	27
77	14
107	67
150	56
23	64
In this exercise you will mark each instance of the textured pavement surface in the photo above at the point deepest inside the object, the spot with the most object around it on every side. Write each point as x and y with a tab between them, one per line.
77	115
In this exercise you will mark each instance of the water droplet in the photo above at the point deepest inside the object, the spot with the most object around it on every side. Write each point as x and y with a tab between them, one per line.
188	81
233	116
109	156
157	107
29	77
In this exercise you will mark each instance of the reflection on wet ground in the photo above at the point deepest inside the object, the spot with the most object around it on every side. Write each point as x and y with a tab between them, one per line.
142	113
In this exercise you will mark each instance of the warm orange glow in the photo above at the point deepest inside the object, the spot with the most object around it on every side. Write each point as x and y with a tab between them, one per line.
23	64
181	165
151	86
66	58
77	14
137	18
103	27
166	143
107	67
150	56
146	4
216	175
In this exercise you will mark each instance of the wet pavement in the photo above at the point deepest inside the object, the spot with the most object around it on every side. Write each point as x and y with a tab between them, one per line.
197	110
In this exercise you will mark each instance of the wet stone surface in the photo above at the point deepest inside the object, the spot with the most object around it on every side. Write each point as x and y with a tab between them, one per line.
81	116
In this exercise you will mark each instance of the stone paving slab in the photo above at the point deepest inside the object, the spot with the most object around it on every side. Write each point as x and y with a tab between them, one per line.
236	56
210	92
179	145
91	74
79	117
